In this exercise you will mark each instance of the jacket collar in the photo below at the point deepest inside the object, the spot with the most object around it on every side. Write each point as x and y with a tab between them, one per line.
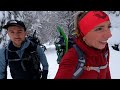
89	50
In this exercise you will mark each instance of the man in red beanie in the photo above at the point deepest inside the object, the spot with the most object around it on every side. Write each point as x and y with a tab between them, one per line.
93	31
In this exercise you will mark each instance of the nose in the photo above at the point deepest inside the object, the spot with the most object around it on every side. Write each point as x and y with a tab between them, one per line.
108	34
16	34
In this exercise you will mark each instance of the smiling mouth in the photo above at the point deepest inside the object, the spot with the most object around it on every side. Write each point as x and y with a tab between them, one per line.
17	38
103	42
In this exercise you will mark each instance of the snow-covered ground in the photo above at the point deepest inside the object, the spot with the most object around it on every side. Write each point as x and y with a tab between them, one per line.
115	39
114	63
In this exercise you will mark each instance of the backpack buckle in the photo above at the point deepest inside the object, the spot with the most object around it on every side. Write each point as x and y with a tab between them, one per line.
87	68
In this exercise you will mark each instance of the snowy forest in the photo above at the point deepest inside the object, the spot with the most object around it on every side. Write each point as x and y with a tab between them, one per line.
44	22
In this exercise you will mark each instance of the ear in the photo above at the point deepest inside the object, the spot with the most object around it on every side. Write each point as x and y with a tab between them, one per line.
77	32
25	33
7	32
84	38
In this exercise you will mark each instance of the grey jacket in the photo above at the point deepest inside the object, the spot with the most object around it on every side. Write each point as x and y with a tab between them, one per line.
20	52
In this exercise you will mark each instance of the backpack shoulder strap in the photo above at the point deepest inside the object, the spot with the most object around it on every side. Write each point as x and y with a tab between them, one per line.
81	62
32	47
6	62
30	50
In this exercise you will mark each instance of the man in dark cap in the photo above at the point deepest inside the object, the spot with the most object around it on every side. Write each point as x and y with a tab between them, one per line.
23	56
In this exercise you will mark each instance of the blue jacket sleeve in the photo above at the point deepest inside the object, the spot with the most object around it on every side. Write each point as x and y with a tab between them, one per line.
2	64
42	57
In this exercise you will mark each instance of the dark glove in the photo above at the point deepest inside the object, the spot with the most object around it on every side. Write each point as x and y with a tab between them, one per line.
44	74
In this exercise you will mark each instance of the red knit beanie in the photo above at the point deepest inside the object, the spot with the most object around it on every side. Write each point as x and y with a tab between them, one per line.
92	19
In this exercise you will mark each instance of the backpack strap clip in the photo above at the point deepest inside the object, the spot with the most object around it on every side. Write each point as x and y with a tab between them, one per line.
81	62
97	69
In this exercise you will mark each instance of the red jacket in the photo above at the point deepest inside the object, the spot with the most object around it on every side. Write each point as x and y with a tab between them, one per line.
93	57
